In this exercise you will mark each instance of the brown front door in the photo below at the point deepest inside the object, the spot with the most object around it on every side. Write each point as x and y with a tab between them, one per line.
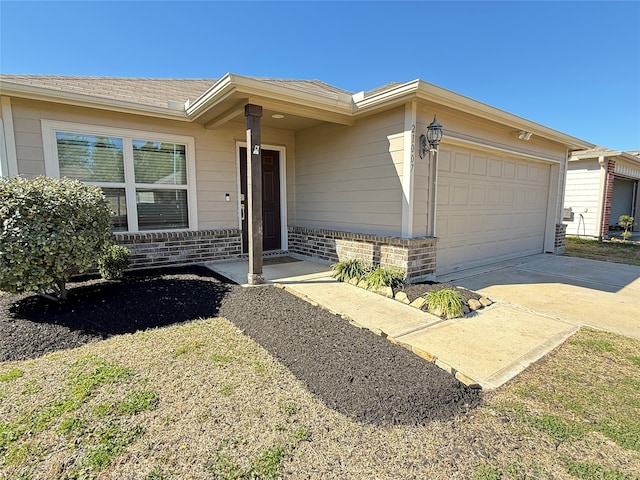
271	225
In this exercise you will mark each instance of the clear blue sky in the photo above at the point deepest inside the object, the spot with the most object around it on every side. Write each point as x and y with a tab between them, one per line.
573	66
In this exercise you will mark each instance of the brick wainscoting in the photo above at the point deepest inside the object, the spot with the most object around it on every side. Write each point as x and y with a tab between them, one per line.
175	248
561	238
415	256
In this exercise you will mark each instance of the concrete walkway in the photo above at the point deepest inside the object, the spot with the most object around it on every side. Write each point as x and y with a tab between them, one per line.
540	302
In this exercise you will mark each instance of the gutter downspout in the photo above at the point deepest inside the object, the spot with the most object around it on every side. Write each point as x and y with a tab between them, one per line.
434	190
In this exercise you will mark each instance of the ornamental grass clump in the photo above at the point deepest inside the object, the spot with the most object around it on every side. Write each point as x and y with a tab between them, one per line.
385	277
348	269
445	303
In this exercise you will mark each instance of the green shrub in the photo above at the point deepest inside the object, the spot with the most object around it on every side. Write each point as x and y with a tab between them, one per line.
50	229
385	277
348	269
627	222
114	262
445	302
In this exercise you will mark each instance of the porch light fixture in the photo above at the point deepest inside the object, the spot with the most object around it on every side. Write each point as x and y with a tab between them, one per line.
277	116
431	140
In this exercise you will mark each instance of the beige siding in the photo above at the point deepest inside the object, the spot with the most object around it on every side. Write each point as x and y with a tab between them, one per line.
482	131
215	156
583	196
420	193
349	178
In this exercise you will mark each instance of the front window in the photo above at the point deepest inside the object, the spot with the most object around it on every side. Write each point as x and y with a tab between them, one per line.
146	180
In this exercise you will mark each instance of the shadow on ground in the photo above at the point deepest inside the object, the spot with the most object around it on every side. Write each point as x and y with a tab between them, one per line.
351	370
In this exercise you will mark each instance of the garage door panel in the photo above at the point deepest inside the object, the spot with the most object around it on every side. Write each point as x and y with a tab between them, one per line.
489	208
443	194
509	170
459	195
477	195
444	161
476	224
479	165
457	224
462	163
507	196
523	172
495	167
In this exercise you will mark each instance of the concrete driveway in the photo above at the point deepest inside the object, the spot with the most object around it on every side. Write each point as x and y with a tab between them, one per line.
603	295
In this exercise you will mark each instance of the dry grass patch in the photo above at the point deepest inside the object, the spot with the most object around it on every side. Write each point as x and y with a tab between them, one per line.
584	398
604	250
202	401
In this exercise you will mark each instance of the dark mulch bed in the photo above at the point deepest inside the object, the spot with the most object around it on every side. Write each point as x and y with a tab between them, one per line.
351	370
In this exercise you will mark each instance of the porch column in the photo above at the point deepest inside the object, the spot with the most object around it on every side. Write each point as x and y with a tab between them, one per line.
254	192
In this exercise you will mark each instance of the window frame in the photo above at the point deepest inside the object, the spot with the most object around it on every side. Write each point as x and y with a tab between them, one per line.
52	166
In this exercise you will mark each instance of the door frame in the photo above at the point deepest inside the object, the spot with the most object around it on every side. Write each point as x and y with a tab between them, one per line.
284	244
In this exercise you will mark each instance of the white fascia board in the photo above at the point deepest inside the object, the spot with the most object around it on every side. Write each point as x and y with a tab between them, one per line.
426	91
466	104
218	92
396	94
595	154
44	94
251	87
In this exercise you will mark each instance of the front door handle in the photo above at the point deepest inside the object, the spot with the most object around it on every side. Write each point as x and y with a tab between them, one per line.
242	212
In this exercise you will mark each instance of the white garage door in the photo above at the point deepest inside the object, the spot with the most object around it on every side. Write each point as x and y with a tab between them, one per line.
490	208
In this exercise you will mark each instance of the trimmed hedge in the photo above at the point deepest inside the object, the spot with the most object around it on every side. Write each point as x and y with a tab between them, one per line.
51	229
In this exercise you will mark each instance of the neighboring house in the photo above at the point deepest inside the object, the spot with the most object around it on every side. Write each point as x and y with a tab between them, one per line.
601	186
343	173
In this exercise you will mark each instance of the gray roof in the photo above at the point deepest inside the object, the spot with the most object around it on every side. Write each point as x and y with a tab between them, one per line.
153	91
308	86
145	91
381	89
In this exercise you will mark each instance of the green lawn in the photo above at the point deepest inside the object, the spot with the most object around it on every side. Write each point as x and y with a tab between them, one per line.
605	250
202	400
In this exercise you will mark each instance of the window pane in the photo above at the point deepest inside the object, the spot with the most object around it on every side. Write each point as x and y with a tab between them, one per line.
90	158
118	203
158	209
162	163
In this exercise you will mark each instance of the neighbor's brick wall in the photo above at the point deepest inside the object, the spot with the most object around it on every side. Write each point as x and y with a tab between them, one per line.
415	256
608	198
561	238
173	248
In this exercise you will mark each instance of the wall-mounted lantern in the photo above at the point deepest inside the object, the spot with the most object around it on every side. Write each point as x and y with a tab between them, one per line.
431	140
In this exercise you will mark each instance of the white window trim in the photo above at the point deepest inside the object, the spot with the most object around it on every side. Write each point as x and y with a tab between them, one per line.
9	159
52	167
284	222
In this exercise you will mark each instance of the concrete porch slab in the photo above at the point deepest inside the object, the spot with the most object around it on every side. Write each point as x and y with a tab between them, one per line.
283	273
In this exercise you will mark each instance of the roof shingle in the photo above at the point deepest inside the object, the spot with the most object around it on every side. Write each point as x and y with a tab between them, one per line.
156	92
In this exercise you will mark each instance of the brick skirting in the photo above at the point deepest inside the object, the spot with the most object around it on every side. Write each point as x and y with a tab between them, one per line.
414	256
561	239
608	198
176	248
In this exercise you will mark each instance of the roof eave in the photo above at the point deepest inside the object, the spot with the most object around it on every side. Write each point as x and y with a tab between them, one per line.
32	92
231	84
422	90
595	154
